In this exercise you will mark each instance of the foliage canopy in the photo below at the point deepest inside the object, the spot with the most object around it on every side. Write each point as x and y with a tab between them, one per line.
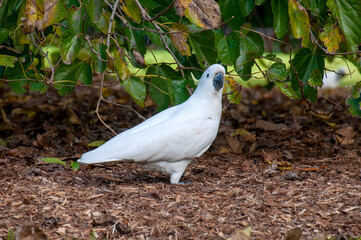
112	36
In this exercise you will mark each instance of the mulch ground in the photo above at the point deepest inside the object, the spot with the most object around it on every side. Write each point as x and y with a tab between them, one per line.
273	167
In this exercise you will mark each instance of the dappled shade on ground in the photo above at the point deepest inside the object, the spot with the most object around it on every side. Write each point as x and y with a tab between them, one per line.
272	167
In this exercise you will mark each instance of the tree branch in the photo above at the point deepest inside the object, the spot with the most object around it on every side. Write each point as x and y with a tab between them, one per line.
46	56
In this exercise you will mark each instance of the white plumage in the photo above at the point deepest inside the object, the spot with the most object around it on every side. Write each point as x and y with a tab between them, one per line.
332	80
169	140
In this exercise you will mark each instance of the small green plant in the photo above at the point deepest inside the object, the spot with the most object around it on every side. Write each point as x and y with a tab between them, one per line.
11	235
73	165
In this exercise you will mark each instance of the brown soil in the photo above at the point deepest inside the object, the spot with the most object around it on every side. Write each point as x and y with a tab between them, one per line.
273	167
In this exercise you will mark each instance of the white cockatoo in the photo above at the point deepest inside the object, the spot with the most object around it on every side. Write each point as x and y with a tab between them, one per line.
171	139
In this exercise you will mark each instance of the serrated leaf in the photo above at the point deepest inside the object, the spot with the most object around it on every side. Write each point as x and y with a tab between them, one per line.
37	86
70	45
99	66
246	7
286	89
76	19
316	78
251	47
277	72
354	106
299	21
356	90
304	63
136	89
66	76
177	91
136	40
228	48
232	90
158	89
96	143
181	6
203	45
331	37
204	13
348	13
54	160
280	17
180	39
94	10
231	12
121	66
132	10
7	60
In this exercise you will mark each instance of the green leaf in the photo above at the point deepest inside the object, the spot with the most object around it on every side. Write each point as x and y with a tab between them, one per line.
94	10
132	10
38	86
99	66
54	160
231	9
286	89
304	63
348	13
136	89
66	76
203	45
177	91
84	73
96	143
280	17
299	21
168	87
251	47
278	72
74	165
228	48
6	60
136	40
316	78
70	45
77	20
246	7
354	106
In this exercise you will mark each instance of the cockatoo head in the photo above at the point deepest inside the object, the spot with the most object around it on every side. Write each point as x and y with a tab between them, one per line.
212	79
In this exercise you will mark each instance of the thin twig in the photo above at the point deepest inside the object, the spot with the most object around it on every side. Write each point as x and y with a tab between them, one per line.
93	50
328	52
162	12
103	74
46	56
146	17
125	106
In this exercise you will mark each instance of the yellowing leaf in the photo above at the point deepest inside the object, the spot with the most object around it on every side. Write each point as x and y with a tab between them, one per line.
42	13
299	22
232	90
181	6
132	10
121	67
180	39
331	37
204	13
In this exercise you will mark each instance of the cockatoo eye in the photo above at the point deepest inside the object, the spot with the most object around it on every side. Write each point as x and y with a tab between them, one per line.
208	75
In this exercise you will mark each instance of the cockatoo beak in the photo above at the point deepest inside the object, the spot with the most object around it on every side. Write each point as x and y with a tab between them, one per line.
218	81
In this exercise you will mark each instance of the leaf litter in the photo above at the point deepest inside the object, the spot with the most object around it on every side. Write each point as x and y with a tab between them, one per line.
274	171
